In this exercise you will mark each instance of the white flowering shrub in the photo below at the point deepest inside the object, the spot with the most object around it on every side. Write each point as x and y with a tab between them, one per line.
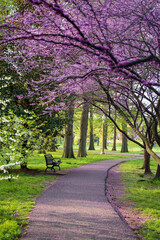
18	136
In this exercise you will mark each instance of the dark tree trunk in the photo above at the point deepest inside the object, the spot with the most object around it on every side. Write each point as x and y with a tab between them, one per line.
115	133
114	139
91	143
146	163
124	147
68	138
23	165
83	132
158	172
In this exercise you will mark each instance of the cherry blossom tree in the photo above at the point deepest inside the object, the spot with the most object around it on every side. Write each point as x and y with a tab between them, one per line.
117	34
86	46
138	110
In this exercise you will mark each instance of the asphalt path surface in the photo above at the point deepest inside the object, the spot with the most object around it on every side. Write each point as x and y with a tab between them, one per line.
75	207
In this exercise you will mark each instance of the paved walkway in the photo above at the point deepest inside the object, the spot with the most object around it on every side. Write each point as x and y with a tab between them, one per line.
75	208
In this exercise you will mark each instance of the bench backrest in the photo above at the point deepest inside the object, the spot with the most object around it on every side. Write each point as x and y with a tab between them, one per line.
49	159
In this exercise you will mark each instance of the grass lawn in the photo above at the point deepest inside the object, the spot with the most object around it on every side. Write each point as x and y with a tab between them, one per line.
132	147
144	191
17	197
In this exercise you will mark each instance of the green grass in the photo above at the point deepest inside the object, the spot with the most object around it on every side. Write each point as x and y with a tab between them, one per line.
37	160
144	191
17	197
132	147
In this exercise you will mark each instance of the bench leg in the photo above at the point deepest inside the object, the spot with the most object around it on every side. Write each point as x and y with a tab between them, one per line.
52	168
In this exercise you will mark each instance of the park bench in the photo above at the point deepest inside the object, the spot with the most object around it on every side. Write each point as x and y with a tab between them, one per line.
52	162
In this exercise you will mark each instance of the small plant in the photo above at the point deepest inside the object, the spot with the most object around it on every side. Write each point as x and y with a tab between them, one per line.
10	230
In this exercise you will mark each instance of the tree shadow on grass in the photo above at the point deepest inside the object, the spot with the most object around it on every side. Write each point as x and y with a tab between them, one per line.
38	171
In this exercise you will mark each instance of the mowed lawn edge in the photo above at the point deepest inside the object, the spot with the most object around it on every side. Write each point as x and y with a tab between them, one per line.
144	193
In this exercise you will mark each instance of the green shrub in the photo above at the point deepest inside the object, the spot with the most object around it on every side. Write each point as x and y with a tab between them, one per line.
9	230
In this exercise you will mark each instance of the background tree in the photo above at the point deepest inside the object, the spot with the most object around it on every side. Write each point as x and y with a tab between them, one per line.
68	137
82	152
130	108
91	139
124	147
115	133
105	134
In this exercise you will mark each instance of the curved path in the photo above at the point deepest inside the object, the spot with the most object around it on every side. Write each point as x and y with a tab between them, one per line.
75	208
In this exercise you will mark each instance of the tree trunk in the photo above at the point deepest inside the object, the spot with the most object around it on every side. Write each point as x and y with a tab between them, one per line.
146	163
115	133
158	172
114	139
124	147
97	141
83	132
158	169
105	135
68	138
91	144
